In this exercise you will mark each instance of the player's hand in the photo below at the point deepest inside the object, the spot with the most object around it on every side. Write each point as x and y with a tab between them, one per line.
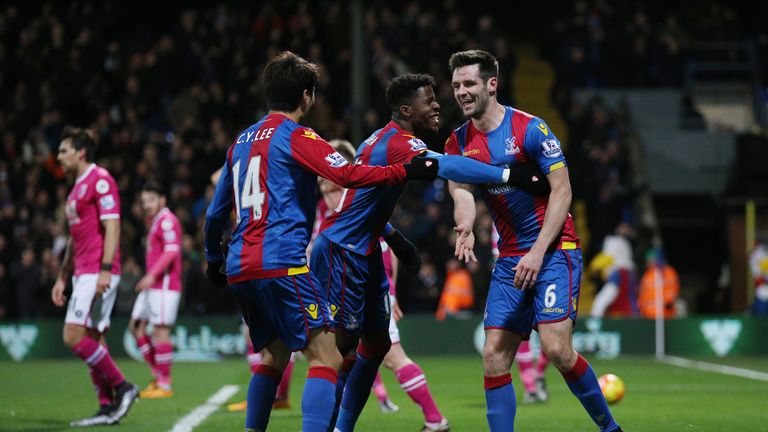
102	282
57	293
421	168
215	275
404	250
397	313
465	244
527	270
529	178
147	281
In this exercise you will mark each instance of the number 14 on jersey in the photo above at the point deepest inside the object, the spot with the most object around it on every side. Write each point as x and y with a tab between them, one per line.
252	196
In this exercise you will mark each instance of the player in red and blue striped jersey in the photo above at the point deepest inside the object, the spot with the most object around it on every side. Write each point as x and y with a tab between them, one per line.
535	281
270	178
346	255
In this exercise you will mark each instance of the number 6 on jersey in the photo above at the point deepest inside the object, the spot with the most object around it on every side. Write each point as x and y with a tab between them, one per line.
252	196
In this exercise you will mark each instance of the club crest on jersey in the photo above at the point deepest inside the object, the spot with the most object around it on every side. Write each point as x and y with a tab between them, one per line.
543	128
308	133
417	144
107	202
336	160
334	310
510	149
551	148
82	190
102	186
312	310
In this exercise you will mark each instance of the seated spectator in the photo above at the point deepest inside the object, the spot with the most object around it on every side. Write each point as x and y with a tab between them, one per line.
658	271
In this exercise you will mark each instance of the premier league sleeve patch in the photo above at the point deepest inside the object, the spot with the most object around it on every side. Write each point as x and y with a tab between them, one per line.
336	160
551	148
417	145
107	202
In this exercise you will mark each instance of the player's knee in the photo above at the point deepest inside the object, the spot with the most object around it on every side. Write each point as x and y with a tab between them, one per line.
496	360
72	335
560	354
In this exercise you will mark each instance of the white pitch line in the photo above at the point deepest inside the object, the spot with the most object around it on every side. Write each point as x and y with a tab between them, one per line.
712	367
194	418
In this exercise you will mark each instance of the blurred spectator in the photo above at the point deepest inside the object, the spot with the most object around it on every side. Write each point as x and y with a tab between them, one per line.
658	271
26	277
616	268
758	265
458	295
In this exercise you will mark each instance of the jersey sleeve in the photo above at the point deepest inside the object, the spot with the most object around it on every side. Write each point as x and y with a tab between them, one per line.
403	148
107	198
317	156
217	215
466	170
543	147
170	230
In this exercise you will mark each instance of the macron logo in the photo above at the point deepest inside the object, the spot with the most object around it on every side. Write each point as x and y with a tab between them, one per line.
17	340
721	334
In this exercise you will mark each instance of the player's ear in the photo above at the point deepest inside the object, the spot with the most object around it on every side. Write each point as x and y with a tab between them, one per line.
405	111
493	84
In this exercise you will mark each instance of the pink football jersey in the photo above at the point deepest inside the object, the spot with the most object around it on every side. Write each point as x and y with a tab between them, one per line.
93	198
165	236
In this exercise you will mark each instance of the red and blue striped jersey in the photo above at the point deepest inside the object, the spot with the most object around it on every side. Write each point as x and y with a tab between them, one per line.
359	220
520	138
270	179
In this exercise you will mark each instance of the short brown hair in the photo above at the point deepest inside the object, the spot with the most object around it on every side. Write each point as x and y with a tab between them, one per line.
344	148
489	66
81	138
285	78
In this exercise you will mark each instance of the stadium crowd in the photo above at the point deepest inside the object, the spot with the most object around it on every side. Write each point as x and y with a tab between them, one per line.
165	92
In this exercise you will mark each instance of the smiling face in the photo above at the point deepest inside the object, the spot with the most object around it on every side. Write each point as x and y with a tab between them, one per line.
470	91
425	110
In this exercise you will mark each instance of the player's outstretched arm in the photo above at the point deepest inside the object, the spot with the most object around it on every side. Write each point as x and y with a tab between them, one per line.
462	169
469	171
317	156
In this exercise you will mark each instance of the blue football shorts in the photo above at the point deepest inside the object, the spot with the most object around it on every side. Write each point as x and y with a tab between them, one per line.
356	287
285	307
554	298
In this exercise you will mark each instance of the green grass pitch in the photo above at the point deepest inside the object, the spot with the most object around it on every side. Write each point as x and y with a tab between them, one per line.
46	395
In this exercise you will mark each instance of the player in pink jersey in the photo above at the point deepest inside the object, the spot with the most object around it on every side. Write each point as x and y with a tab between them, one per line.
536	280
159	290
93	259
410	376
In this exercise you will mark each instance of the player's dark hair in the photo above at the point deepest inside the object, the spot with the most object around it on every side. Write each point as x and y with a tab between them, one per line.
285	78
402	89
81	138
489	66
154	186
